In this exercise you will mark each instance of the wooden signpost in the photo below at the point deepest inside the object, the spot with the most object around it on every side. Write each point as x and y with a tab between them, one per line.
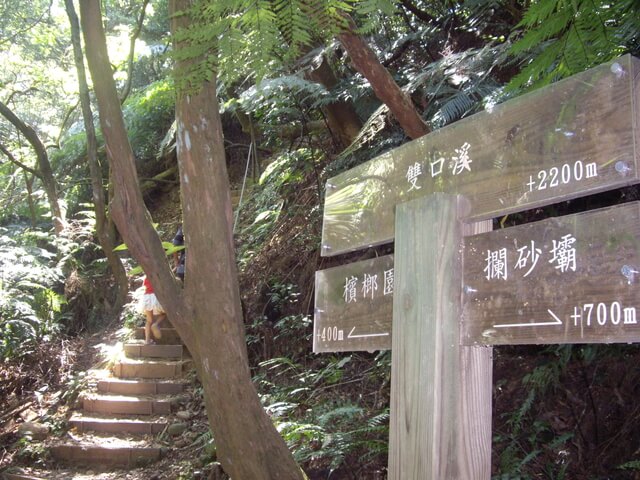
573	138
571	279
354	306
453	290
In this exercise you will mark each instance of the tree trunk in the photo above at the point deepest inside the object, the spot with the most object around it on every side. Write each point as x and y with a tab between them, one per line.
132	48
28	180
207	312
103	232
44	167
342	118
383	84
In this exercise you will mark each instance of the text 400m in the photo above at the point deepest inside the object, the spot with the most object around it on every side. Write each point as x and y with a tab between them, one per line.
331	334
556	176
603	313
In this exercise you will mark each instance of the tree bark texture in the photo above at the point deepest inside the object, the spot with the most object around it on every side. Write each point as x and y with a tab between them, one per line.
103	232
207	312
382	83
45	173
342	118
248	444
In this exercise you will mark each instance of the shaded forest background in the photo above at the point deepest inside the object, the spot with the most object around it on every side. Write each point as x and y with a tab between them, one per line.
295	112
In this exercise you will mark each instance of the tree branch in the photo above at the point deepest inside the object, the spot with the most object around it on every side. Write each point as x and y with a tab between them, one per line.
17	162
132	47
420	14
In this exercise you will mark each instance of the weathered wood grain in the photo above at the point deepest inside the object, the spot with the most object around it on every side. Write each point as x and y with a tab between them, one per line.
353	306
606	281
572	138
431	424
476	397
588	293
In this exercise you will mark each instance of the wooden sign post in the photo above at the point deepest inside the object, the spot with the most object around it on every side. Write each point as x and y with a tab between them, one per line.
571	279
557	281
440	390
573	138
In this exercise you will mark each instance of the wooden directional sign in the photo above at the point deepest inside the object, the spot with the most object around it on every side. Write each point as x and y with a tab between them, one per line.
573	279
572	138
353	307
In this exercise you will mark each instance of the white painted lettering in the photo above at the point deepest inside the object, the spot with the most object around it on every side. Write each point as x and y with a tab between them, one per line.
528	255
630	316
564	254
616	310
564	175
369	285
388	282
413	172
589	308
350	292
553	176
578	170
601	313
496	264
461	161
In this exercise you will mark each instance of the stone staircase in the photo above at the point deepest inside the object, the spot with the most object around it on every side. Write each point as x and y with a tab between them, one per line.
125	410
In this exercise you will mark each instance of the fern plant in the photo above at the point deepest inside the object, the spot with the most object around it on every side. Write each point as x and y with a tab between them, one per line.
562	37
29	304
249	39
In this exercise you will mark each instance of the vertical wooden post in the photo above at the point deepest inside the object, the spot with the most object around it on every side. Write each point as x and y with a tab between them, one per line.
440	392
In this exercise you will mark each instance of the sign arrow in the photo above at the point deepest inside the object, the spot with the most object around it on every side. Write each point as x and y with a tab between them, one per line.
555	321
366	335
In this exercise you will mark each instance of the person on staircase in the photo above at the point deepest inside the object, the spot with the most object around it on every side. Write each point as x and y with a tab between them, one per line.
153	312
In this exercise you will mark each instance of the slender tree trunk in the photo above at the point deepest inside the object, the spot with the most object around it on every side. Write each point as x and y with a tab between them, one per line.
207	312
383	84
45	173
132	48
28	181
127	207
103	232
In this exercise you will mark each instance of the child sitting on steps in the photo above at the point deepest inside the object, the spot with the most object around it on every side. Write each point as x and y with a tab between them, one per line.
153	311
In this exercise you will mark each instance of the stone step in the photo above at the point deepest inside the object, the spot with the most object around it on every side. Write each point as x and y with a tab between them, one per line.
129	368
58	473
140	350
140	387
105	450
126	404
116	456
169	336
19	476
104	423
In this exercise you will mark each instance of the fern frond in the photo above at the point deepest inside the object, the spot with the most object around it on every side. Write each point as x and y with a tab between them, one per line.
554	26
576	35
